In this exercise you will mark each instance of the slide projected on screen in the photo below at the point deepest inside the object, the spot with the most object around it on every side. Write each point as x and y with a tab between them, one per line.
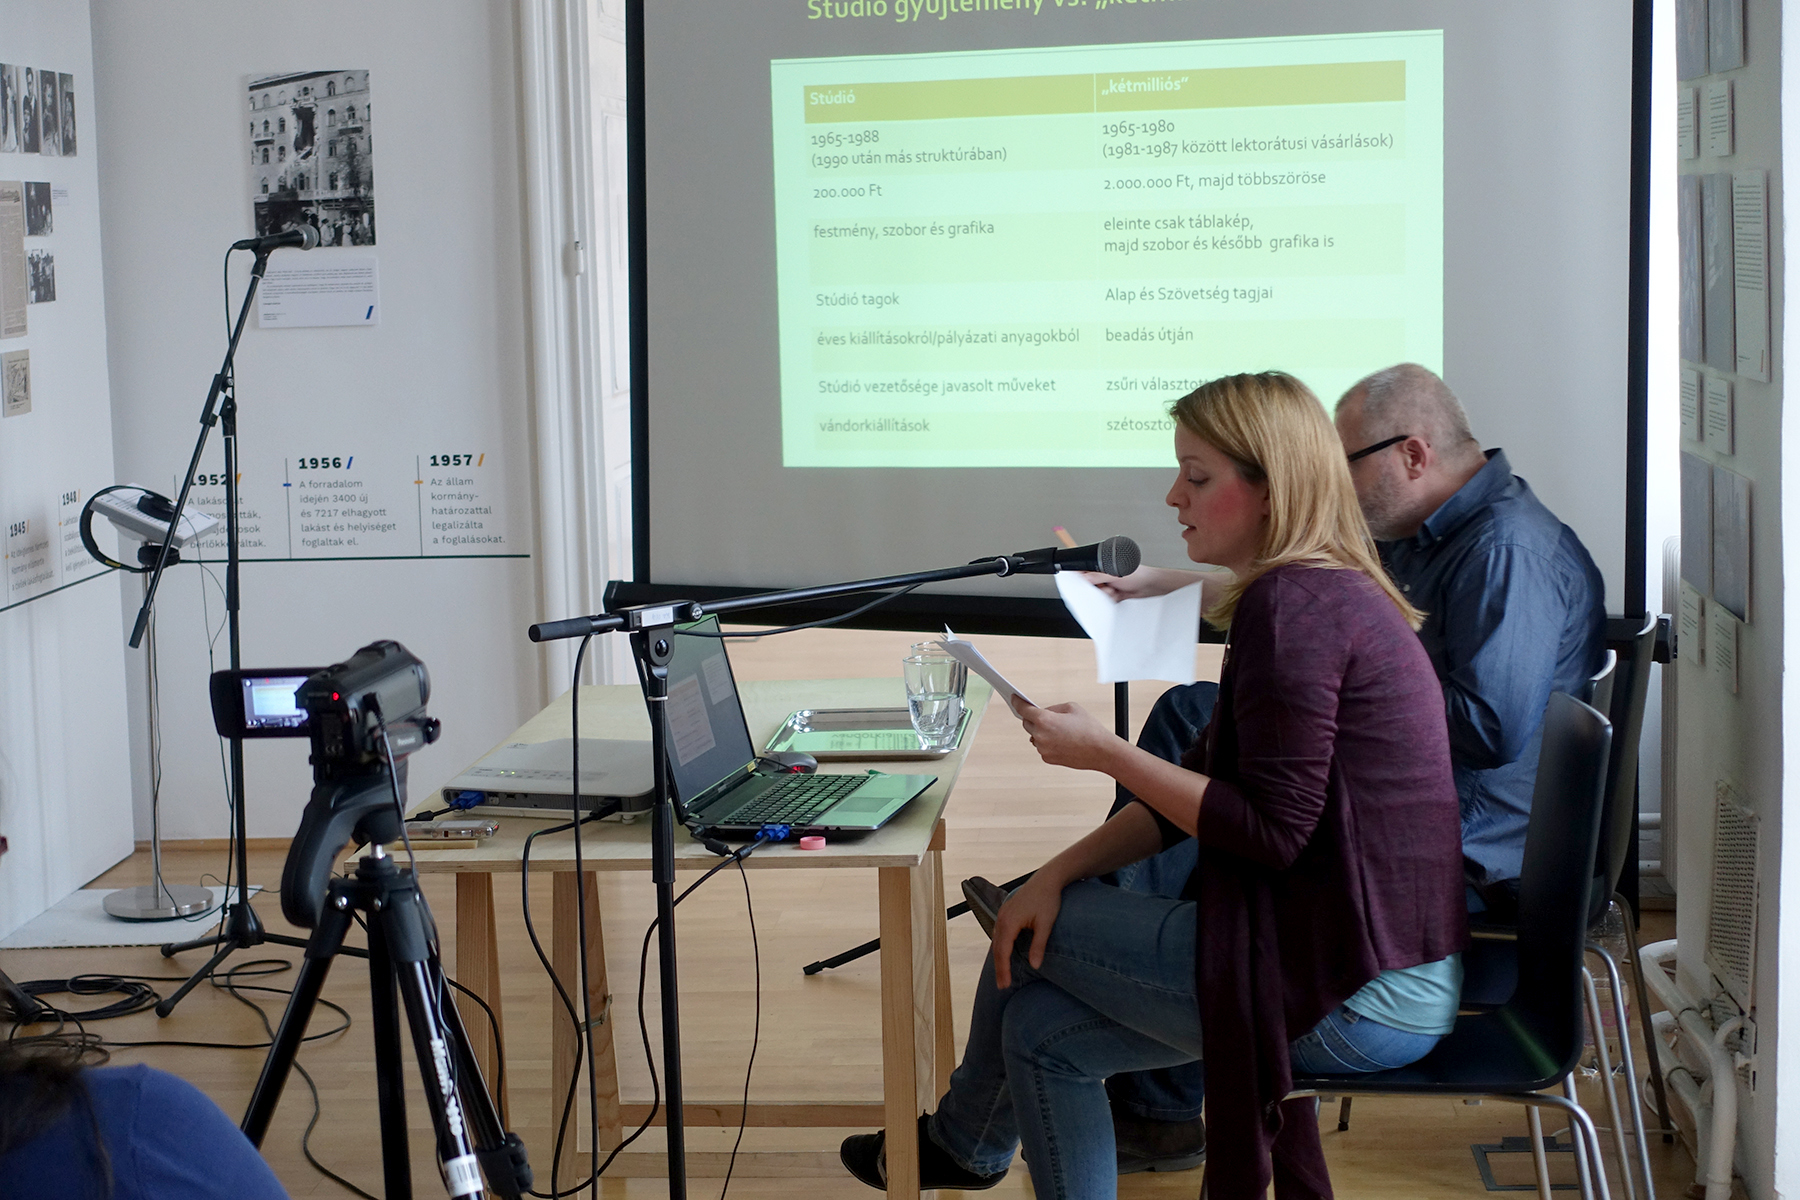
1018	258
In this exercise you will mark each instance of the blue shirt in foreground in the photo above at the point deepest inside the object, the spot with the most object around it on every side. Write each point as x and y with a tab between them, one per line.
164	1138
1514	610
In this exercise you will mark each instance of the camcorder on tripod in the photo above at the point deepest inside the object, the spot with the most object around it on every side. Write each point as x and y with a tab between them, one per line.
365	716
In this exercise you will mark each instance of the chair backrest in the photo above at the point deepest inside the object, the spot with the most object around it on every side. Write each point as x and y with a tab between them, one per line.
1599	691
1630	690
1560	847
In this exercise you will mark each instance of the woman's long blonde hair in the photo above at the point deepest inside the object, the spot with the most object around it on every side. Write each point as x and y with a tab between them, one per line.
1275	430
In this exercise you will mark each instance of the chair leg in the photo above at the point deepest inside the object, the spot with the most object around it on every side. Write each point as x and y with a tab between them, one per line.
1590	1169
1534	1124
1344	1114
1652	1052
1597	1030
1630	1068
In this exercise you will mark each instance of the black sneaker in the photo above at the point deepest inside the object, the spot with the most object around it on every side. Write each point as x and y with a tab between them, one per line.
864	1155
1147	1145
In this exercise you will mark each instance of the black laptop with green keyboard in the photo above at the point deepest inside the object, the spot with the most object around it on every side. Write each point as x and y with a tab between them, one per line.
712	761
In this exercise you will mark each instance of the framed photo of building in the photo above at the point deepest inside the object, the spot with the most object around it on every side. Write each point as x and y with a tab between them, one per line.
312	156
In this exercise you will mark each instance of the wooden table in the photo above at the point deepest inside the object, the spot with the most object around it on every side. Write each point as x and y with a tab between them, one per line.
916	1037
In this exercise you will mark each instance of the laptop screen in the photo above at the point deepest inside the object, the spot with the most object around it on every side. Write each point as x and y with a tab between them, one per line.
708	738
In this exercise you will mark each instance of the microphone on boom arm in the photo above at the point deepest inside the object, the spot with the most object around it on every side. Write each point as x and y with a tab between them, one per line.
1114	556
300	237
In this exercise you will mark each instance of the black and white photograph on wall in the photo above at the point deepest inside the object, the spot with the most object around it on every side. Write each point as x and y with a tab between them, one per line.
9	107
312	155
28	114
49	114
41	265
66	83
15	382
39	218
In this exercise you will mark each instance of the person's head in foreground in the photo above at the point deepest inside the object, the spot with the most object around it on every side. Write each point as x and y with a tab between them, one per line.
1263	483
1409	445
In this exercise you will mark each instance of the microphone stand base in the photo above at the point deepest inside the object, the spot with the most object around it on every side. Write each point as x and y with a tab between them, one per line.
157	902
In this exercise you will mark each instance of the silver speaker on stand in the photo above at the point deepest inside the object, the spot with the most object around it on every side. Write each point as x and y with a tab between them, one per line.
148	518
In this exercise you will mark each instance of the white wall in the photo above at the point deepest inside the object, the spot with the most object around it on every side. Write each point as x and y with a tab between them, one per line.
446	368
65	802
1740	737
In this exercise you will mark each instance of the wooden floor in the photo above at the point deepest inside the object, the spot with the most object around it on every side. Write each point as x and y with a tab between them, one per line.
1009	812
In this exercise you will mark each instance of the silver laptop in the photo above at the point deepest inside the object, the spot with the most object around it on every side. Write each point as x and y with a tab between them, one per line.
536	777
712	760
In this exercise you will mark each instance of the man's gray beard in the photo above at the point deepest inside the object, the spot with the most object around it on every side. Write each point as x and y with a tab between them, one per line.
1384	508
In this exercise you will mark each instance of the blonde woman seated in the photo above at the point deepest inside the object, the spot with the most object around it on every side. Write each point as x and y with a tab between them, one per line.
1322	928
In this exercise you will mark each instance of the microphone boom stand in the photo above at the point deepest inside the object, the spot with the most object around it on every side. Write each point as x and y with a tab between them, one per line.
239	928
652	635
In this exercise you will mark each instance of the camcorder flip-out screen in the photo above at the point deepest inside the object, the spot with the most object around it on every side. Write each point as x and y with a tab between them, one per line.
260	703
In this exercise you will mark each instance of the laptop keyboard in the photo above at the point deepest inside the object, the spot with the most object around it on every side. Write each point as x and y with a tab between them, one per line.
797	800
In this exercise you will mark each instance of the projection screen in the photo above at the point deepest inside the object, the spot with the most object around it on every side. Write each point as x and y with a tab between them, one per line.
915	281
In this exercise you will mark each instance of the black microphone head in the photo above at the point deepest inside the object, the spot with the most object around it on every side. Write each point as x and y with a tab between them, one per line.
309	237
1118	556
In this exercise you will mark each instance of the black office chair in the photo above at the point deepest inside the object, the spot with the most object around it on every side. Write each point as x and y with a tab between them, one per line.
1600	684
1490	963
1630	694
1533	1040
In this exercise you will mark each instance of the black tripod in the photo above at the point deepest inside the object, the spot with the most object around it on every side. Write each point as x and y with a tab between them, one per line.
402	955
239	928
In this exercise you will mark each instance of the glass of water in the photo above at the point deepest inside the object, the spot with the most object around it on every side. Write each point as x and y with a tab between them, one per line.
935	683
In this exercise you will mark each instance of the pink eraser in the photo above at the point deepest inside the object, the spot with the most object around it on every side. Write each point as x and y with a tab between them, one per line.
812	842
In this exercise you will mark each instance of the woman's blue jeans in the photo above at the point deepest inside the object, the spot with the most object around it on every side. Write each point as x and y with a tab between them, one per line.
1115	993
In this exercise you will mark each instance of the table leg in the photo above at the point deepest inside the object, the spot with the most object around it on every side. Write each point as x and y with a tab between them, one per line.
908	1011
945	1026
478	969
565	1052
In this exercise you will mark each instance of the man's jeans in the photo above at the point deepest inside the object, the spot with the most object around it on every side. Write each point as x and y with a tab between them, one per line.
1115	993
1174	1093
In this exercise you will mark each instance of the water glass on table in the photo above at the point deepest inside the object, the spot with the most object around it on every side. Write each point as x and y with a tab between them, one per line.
935	683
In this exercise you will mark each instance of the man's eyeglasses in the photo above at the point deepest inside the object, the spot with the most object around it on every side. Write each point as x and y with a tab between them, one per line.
1379	446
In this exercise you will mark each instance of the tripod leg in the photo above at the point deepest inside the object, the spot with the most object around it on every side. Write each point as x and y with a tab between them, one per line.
165	1007
502	1154
390	1093
439	1042
426	1015
313	969
171	949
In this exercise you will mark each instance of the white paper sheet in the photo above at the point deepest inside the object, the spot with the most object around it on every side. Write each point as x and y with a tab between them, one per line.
1718	419
1750	270
970	657
333	289
1149	638
1690	405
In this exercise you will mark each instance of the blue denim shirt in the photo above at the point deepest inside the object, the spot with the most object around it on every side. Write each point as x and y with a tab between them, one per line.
1514	610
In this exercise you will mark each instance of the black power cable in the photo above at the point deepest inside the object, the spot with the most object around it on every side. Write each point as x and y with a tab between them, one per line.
755	1031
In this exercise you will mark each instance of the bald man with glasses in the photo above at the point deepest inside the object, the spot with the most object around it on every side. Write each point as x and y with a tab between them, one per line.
1514	610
